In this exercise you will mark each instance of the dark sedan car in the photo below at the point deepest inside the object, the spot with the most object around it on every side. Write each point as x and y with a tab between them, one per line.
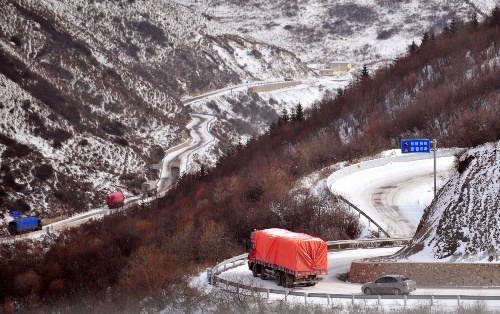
390	284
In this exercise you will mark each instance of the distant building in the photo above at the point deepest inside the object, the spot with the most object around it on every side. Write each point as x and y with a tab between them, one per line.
335	68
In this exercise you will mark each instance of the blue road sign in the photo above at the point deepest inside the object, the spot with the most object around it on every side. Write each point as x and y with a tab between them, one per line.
415	146
14	213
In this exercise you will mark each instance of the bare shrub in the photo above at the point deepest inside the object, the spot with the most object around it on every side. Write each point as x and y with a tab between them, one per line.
8	180
352	12
113	127
387	33
271	25
340	27
75	199
21	205
256	53
83	142
27	283
157	153
290	8
44	172
16	40
132	50
151	51
132	181
14	149
152	31
213	105
58	135
121	141
463	163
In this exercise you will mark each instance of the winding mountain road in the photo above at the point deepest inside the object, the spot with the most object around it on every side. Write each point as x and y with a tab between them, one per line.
395	194
175	162
179	157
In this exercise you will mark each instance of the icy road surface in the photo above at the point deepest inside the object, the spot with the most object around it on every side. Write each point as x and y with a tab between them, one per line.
395	195
340	262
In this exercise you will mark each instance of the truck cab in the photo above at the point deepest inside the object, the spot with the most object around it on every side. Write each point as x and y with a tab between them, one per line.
149	188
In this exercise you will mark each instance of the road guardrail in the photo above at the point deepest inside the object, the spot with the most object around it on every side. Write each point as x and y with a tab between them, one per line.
214	279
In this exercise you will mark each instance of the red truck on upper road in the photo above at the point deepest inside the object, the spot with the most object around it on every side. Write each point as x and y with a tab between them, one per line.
290	258
115	200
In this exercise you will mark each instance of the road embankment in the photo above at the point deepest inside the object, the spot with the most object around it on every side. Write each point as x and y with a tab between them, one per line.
274	86
430	274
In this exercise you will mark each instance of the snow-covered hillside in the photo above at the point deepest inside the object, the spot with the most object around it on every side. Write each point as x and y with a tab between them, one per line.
242	114
463	223
91	93
369	32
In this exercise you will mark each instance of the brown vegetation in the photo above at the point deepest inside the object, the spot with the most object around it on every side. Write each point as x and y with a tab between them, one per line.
447	89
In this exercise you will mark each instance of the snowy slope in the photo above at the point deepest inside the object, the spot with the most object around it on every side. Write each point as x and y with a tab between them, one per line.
91	90
369	32
242	114
463	224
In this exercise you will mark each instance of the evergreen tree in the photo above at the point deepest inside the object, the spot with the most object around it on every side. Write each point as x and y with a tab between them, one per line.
239	145
412	48
433	36
231	150
453	27
473	23
340	92
364	72
293	115
299	113
272	127
201	173
425	38
494	19
284	116
220	159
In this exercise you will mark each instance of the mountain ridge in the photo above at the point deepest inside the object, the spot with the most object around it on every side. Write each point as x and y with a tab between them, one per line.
94	88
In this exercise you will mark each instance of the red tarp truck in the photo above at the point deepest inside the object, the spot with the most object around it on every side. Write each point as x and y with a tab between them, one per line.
115	200
288	257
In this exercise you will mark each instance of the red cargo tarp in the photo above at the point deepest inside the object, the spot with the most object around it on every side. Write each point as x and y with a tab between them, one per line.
114	198
298	252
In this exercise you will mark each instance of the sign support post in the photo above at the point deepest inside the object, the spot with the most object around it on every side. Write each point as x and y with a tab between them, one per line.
409	146
434	149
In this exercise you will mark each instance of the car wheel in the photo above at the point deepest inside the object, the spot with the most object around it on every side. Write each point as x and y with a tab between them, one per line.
368	291
397	291
263	272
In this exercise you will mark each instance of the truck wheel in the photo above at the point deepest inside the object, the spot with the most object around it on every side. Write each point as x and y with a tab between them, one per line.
289	279
263	273
255	270
283	280
277	277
